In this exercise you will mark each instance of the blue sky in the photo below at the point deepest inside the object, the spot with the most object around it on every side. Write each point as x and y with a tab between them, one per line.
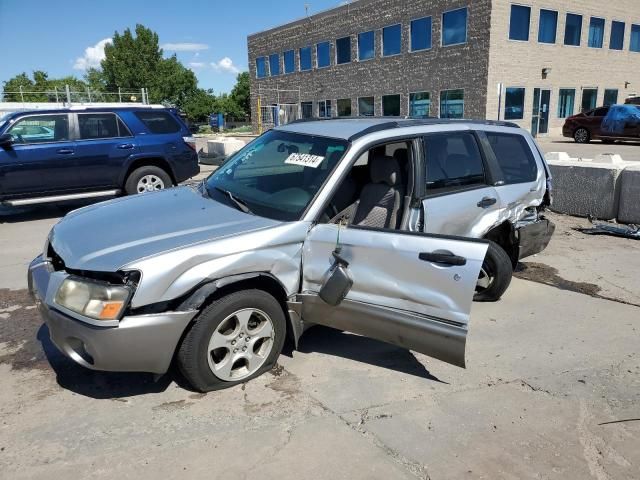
62	37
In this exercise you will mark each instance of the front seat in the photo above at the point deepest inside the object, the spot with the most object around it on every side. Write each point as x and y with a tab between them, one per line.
381	200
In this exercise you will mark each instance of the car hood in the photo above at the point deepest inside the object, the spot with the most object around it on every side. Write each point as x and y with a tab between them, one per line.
107	236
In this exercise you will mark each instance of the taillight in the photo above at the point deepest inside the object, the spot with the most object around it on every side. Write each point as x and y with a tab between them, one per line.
191	143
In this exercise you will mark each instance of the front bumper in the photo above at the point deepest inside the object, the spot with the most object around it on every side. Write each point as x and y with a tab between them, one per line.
534	237
144	343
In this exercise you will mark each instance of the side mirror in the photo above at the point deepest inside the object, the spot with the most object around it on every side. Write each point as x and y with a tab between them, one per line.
6	139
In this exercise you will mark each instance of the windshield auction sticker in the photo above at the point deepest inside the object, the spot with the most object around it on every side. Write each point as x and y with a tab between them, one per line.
304	159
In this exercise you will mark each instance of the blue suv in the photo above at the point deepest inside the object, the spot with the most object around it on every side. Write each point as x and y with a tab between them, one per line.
55	155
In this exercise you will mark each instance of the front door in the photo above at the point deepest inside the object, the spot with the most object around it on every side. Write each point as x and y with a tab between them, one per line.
413	290
541	107
41	158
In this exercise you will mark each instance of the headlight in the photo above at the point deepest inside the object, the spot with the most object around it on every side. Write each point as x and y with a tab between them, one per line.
96	300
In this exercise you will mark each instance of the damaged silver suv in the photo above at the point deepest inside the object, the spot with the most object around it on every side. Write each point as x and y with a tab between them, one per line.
385	228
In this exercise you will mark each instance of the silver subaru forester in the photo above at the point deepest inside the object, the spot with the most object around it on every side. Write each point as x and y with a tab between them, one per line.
385	228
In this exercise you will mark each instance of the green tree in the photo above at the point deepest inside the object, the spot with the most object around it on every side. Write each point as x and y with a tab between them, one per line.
136	61
41	88
241	93
199	105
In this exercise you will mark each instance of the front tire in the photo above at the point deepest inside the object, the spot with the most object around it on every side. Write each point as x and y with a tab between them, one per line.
582	135
495	276
147	179
235	339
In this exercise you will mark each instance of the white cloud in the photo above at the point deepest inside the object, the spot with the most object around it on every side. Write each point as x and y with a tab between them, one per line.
185	47
225	65
196	65
92	56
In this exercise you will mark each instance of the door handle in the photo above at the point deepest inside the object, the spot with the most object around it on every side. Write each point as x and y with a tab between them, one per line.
125	146
443	259
65	151
487	202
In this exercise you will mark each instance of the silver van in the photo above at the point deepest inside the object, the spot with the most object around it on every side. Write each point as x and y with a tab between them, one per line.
385	228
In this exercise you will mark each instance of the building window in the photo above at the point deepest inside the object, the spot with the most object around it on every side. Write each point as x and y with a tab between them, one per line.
566	102
548	28
306	109
514	104
305	59
419	104
343	50
520	23
635	38
391	105
421	34
366	106
391	40
617	36
596	32
261	67
573	30
454	27
323	54
610	97
274	65
589	99
366	45
344	107
289	61
324	109
452	104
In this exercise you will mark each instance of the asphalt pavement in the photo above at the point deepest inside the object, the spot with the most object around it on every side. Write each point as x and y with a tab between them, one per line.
552	390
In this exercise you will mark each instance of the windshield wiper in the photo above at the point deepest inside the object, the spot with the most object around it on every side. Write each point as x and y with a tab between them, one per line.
236	201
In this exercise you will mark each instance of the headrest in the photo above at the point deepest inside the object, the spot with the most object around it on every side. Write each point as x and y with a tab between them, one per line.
385	169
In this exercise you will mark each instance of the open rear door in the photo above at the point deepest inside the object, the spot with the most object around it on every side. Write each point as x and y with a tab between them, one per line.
413	290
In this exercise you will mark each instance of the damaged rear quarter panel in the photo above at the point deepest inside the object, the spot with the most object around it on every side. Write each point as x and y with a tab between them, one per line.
276	250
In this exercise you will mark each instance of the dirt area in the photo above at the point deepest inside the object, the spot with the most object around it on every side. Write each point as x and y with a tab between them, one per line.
600	266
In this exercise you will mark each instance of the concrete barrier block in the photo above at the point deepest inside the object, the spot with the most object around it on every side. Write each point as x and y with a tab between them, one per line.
629	211
608	158
557	157
583	189
224	147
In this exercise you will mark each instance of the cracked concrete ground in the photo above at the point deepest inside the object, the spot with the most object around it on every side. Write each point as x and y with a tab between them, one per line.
549	368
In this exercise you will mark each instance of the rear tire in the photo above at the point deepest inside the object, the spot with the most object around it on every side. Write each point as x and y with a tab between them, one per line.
147	179
582	135
496	274
235	339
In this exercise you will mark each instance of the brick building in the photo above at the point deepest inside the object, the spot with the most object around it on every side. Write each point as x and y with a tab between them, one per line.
533	63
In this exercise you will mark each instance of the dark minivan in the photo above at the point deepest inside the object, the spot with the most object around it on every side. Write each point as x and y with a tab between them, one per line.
76	153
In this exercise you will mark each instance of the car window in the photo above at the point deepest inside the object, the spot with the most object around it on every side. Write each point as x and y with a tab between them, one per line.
278	174
600	112
453	162
40	129
101	125
514	156
159	122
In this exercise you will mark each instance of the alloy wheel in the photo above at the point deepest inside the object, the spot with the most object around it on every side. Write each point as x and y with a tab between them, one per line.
150	183
241	344
582	135
485	279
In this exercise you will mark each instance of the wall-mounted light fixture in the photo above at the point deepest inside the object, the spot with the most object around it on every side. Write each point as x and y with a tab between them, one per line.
626	84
